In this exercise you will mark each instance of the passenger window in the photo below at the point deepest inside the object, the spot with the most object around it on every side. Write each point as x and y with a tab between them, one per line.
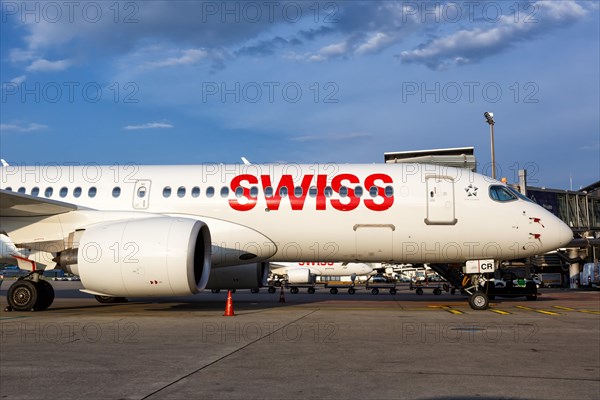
268	191
8	188
181	192
210	192
63	192
328	191
21	190
116	192
141	193
35	191
283	192
195	191
224	191
92	192
77	192
389	191
373	191
501	194
298	191
48	192
312	192
167	192
253	191
239	192
343	191
358	191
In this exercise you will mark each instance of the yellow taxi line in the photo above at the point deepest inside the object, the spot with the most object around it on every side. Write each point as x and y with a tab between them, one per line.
536	310
500	312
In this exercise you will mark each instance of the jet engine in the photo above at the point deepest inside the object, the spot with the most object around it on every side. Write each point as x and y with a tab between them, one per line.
162	256
245	276
300	276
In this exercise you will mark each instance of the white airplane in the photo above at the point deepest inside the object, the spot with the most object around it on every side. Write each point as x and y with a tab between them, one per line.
141	231
303	272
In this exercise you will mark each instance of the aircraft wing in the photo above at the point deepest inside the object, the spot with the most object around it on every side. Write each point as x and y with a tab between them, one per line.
21	205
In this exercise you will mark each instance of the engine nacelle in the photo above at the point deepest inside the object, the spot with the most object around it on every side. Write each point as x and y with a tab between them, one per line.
163	256
245	276
300	276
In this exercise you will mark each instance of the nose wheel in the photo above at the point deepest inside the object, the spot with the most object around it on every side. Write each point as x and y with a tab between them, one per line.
478	301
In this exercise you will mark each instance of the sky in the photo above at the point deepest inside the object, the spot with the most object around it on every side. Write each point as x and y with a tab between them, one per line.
189	82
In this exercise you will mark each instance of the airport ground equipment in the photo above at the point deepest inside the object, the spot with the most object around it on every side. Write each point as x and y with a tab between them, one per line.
335	286
294	289
511	286
375	287
437	289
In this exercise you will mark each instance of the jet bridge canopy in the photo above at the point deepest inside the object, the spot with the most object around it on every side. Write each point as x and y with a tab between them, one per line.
460	157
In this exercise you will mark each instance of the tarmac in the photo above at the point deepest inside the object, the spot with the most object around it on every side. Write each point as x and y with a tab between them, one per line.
312	346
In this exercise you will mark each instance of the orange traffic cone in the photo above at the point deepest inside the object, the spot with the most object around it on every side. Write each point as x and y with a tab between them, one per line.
281	296
229	306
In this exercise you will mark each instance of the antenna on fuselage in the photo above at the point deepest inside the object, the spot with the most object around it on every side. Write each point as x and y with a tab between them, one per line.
245	161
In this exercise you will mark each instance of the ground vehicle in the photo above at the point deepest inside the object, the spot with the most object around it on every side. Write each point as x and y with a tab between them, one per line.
550	279
510	285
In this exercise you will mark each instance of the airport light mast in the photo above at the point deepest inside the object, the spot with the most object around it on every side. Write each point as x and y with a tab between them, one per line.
489	116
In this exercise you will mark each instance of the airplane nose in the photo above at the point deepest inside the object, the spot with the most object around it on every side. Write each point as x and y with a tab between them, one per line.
564	234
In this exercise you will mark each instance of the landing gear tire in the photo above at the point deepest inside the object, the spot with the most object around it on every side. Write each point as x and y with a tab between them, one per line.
271	289
311	290
452	291
45	295
294	290
106	299
23	295
375	291
351	291
478	301
419	291
437	291
333	290
392	291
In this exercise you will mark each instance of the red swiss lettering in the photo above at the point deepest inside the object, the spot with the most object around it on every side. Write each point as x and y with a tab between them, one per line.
387	201
251	200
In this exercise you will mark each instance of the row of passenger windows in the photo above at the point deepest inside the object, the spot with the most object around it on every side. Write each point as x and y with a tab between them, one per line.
269	191
64	191
209	192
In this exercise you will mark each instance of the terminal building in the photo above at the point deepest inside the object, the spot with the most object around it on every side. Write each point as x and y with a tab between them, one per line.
578	209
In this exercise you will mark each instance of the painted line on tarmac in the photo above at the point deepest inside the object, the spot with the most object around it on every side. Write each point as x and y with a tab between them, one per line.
590	312
451	310
565	308
501	312
536	310
17	317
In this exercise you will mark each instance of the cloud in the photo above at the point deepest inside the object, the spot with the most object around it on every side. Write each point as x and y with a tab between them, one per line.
149	125
472	45
31	127
335	137
20	55
19	79
42	65
187	57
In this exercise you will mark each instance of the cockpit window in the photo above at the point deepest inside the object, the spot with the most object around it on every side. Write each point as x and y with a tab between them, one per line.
502	194
519	194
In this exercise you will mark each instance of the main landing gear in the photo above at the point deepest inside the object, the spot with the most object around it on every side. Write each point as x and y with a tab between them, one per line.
30	293
110	299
